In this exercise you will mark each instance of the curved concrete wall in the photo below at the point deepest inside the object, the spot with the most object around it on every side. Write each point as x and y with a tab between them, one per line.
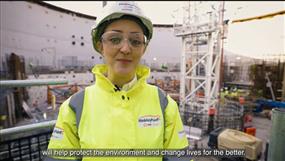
45	37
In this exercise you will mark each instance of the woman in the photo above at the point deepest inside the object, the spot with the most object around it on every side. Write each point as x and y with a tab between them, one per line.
120	111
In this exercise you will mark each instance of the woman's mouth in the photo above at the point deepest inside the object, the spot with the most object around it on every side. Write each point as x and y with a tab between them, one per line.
124	60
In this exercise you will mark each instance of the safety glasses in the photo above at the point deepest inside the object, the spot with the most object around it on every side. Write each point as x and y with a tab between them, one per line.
116	39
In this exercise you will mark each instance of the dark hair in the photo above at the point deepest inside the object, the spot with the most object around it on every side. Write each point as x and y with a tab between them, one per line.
104	25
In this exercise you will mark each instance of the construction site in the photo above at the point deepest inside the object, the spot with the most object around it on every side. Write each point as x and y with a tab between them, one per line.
226	100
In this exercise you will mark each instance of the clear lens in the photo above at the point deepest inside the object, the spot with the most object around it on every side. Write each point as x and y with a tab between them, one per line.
116	39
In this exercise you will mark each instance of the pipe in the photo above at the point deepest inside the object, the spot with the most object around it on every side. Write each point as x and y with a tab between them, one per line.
277	139
35	82
26	128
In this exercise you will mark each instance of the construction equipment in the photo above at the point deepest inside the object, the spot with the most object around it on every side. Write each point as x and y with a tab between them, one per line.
222	138
264	103
269	85
269	15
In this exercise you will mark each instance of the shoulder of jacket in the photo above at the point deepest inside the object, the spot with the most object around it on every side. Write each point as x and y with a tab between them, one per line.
76	100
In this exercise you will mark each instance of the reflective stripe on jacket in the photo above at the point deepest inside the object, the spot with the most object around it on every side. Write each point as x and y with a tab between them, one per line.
114	119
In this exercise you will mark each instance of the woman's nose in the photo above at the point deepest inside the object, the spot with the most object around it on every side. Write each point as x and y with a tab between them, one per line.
126	48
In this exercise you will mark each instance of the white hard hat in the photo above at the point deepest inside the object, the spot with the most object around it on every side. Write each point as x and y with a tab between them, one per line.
116	10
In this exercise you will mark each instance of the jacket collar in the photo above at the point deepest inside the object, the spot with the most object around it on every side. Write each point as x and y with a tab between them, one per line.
130	84
142	73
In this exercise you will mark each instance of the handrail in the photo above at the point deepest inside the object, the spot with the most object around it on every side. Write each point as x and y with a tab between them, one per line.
34	82
25	128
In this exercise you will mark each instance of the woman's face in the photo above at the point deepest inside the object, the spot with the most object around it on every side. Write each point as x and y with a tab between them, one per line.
123	45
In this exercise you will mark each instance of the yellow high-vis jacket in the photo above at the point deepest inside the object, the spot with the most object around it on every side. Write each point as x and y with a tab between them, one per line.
103	117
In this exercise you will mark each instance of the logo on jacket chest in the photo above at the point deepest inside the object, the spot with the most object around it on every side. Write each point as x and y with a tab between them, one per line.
149	121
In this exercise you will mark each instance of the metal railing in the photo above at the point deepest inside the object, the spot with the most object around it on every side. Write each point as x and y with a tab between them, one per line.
230	115
25	143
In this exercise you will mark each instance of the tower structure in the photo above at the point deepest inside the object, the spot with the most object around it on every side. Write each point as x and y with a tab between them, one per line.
202	33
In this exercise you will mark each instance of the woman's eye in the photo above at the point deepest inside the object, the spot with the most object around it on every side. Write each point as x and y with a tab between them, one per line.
136	42
115	40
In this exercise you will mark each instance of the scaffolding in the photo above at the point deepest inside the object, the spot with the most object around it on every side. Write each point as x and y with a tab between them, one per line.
202	33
